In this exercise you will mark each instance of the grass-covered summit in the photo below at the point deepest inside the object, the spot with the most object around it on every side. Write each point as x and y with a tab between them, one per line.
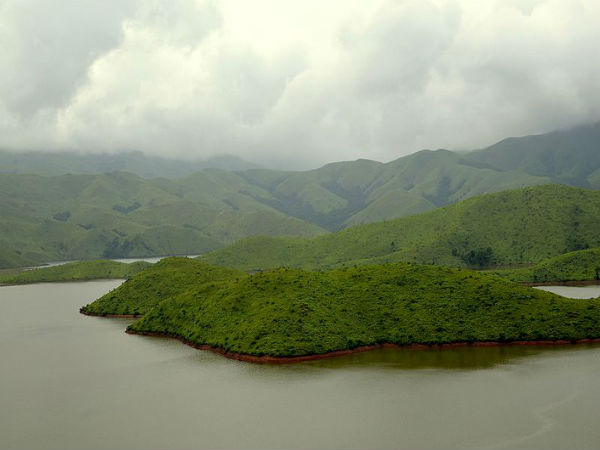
294	312
76	271
512	227
166	278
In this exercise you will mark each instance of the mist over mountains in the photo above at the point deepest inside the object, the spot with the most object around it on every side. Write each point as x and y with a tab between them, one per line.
147	166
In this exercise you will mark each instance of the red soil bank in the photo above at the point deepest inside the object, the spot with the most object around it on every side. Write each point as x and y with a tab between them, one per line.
296	359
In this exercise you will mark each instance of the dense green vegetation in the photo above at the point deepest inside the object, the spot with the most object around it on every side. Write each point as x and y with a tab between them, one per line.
511	227
582	265
293	312
76	271
166	278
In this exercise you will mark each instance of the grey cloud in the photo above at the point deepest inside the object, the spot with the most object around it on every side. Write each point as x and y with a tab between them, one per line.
251	85
174	78
178	22
48	48
397	51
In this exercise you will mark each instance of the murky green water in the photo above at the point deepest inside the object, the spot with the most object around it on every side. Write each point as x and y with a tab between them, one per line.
71	381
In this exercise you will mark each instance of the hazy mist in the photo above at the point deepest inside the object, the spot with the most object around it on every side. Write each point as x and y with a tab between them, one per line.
295	84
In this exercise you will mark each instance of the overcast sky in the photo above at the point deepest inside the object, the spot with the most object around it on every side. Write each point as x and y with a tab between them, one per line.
293	83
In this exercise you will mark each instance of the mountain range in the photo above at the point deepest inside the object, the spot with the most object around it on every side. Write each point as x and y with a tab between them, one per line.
118	214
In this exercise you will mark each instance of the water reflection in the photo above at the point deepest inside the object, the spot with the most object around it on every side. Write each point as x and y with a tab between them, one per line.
461	358
454	359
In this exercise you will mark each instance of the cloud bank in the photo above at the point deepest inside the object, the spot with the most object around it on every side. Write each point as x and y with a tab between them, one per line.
293	84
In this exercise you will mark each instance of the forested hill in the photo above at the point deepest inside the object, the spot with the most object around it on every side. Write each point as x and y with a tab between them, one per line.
512	227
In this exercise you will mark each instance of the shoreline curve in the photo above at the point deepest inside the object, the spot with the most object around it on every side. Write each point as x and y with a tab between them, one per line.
267	359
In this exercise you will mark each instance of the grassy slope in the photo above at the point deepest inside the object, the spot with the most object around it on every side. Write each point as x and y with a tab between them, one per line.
569	156
76	271
582	265
521	226
292	312
166	278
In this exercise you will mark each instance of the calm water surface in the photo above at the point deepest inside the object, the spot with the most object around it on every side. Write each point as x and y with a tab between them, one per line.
573	291
69	381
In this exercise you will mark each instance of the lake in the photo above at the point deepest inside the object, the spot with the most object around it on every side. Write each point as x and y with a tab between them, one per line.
69	381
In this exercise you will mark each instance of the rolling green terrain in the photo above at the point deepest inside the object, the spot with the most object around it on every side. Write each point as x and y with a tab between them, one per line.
348	193
166	278
582	265
293	312
512	227
108	215
76	271
122	215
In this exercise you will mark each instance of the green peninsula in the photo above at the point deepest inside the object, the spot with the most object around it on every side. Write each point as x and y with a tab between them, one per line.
290	313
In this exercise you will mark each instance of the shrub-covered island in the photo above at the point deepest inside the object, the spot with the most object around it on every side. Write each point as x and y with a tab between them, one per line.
291	313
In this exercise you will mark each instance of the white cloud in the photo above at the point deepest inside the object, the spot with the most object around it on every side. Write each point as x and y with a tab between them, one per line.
293	82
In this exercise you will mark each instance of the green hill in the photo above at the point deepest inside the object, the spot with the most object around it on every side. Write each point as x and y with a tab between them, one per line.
293	312
166	278
511	227
76	271
582	265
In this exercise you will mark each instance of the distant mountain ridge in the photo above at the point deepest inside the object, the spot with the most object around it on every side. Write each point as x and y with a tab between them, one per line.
62	163
568	156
